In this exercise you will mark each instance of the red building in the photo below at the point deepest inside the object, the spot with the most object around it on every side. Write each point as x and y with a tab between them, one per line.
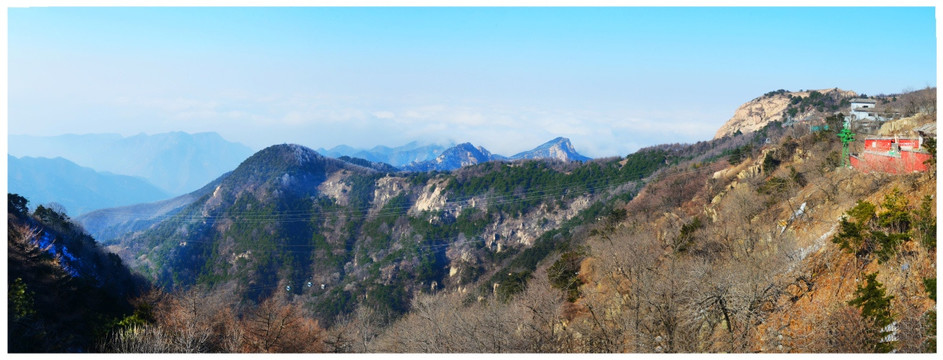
891	155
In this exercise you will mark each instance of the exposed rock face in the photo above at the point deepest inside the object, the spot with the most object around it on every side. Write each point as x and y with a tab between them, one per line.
431	198
387	188
756	113
335	187
909	126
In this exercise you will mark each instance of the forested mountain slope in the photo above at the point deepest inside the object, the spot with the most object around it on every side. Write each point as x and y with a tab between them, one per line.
770	248
65	292
290	220
107	224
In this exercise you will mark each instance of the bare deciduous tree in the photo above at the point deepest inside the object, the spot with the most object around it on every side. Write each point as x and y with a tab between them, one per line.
276	325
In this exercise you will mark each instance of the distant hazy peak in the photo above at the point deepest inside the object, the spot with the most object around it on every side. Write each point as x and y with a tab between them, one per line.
177	162
559	148
471	147
412	152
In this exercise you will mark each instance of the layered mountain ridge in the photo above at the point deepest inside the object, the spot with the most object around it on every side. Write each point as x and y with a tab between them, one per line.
79	189
176	162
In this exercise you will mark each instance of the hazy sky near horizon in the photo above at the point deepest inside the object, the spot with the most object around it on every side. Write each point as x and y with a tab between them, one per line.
611	79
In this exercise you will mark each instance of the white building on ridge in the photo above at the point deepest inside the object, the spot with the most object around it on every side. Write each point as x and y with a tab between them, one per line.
863	109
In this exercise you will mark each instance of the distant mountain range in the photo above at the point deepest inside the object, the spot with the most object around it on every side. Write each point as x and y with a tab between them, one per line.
467	154
396	156
416	157
78	189
175	162
189	161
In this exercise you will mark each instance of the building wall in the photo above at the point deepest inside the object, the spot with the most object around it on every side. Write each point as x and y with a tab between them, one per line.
907	162
856	105
909	144
885	144
860	114
882	145
860	110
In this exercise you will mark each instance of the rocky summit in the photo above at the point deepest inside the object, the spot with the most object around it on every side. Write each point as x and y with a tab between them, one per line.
782	105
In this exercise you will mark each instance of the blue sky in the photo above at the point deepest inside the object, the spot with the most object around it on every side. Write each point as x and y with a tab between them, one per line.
611	79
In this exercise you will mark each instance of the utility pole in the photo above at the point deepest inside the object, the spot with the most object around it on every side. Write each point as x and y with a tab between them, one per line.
846	137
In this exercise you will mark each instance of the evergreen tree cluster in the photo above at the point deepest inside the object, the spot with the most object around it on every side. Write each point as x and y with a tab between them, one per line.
869	232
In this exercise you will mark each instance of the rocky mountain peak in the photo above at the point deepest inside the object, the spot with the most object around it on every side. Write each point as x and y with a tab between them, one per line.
773	106
560	148
285	167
